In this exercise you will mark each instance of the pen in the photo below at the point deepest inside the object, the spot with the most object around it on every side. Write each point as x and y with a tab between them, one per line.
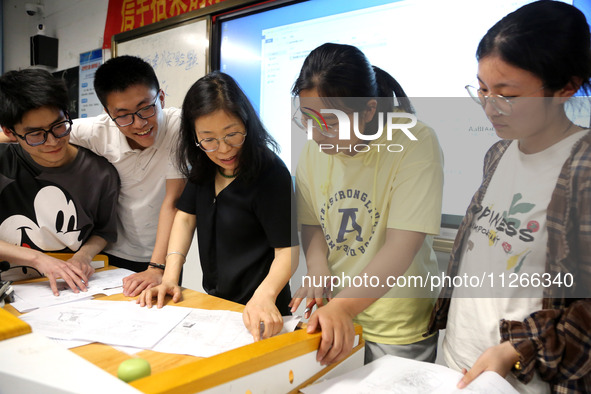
4	285
309	307
111	288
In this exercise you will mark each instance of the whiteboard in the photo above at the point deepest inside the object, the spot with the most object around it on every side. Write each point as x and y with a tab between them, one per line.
178	54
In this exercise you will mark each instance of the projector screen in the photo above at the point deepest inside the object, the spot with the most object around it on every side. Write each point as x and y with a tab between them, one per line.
427	45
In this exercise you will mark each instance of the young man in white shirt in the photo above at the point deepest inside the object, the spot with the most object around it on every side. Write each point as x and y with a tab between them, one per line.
138	136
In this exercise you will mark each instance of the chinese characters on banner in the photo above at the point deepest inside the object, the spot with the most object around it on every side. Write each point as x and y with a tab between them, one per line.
125	15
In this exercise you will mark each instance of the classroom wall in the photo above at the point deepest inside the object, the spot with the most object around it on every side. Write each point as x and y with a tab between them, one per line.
78	24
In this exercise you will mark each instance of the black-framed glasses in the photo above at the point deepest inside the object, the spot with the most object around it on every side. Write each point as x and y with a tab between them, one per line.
212	144
501	104
143	113
39	136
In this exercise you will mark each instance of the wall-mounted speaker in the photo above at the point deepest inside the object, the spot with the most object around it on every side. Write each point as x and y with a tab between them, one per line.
44	51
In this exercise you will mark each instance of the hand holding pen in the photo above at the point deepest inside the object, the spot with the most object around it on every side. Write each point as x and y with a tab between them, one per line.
308	309
314	296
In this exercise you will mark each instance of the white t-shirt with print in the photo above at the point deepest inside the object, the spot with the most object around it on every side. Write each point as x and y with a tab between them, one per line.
506	245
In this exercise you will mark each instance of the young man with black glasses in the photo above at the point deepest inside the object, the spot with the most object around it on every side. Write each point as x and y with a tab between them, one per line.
138	136
55	197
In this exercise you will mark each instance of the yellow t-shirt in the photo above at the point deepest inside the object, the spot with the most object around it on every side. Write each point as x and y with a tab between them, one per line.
348	196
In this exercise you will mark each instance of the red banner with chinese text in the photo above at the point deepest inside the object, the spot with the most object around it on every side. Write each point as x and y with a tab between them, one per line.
124	15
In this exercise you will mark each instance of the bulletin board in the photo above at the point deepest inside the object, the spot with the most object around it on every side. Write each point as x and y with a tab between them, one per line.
177	49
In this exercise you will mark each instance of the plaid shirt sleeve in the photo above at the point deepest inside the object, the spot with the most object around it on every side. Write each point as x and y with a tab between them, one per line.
556	341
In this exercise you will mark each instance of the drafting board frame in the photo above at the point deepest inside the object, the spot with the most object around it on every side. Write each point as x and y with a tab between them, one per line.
195	19
284	363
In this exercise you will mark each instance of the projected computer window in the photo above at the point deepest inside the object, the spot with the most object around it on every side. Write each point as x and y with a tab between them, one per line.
427	45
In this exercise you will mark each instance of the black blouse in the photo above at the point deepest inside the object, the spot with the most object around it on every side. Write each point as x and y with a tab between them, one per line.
238	229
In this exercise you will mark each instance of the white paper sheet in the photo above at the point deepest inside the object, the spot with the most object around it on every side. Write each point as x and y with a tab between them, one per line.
205	333
128	350
110	322
67	343
37	295
390	374
290	323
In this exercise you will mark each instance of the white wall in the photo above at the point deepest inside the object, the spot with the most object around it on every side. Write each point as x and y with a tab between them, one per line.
78	24
192	274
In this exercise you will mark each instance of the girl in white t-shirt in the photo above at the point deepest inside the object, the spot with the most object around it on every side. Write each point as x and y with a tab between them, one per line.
527	228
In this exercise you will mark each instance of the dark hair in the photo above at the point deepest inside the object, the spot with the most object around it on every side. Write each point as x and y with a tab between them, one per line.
25	90
119	73
550	39
342	71
213	92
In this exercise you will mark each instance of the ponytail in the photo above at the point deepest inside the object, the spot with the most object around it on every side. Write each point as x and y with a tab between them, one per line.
389	87
343	72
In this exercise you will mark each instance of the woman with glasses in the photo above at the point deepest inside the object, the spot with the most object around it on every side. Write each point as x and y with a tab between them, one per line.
238	198
528	225
368	204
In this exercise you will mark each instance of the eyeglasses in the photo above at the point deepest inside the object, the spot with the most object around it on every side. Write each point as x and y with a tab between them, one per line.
501	104
303	116
143	113
212	144
38	137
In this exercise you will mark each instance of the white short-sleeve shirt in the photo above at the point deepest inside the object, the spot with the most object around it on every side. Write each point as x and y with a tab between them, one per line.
143	175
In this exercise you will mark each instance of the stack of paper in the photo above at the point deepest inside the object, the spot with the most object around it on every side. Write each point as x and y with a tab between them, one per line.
72	319
110	322
171	329
390	374
205	333
39	295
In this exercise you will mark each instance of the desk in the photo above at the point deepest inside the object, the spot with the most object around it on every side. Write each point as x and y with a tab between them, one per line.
284	363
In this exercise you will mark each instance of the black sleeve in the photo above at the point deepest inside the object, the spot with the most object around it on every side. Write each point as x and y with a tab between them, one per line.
105	225
186	201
